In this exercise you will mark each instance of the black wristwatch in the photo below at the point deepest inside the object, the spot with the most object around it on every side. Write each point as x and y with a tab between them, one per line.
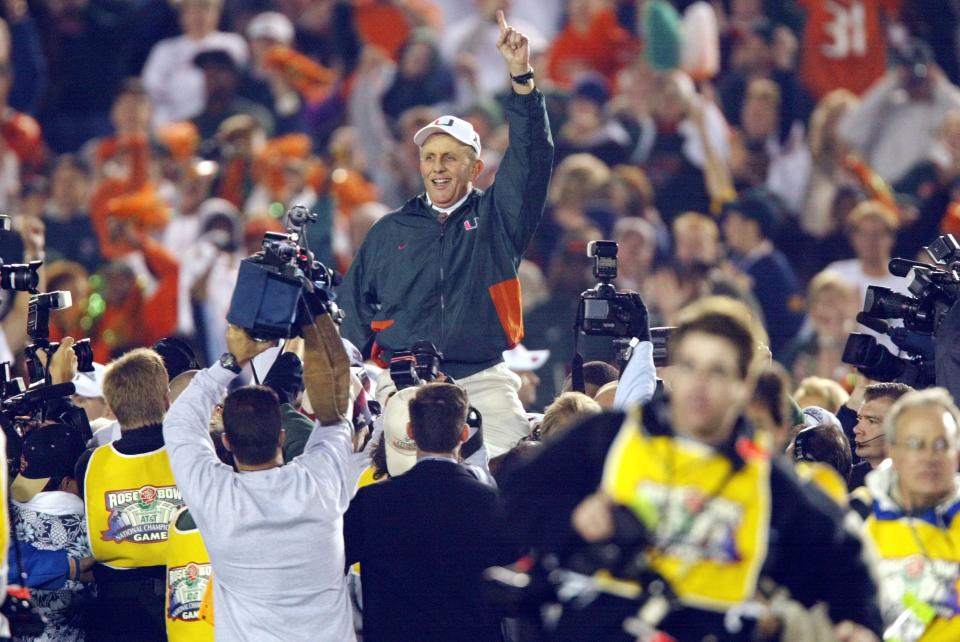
229	362
523	79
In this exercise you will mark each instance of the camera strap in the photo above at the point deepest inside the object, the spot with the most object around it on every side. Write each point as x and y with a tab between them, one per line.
576	367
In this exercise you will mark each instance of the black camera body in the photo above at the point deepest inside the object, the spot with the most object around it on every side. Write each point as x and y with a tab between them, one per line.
416	366
603	310
38	328
876	362
270	286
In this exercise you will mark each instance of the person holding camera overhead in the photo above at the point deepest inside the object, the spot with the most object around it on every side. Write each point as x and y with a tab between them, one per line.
444	266
273	531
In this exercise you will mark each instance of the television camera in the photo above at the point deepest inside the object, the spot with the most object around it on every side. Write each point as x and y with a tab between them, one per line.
269	299
933	289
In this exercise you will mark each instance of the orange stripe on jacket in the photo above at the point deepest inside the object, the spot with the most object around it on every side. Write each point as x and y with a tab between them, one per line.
506	300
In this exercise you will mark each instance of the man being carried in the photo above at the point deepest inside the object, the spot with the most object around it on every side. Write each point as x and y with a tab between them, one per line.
444	266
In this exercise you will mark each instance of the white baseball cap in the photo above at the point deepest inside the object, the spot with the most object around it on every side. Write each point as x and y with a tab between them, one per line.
451	126
90	384
271	25
522	360
401	449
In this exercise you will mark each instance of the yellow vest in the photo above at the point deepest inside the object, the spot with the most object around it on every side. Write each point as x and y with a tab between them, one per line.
188	575
710	523
4	524
825	478
931	573
130	500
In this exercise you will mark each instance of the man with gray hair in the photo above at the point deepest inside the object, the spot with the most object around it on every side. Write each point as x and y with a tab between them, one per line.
910	504
444	266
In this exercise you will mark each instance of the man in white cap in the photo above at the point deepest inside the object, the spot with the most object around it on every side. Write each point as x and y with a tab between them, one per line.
89	393
444	266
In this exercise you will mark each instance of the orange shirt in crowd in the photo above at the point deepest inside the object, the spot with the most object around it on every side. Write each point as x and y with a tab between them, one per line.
844	45
386	26
605	47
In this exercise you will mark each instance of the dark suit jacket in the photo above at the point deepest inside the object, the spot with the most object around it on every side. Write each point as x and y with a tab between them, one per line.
423	539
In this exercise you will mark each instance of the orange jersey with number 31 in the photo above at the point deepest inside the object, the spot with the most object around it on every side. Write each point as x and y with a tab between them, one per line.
844	43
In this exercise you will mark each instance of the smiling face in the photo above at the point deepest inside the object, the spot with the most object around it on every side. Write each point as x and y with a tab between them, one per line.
448	168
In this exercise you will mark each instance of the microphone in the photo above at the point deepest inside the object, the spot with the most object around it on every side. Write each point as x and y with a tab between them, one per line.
902	267
864	443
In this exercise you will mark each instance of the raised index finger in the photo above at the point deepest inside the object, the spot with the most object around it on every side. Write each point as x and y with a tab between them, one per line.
502	21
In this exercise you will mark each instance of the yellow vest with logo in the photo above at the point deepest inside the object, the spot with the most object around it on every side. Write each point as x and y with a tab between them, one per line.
931	573
130	500
710	522
188	575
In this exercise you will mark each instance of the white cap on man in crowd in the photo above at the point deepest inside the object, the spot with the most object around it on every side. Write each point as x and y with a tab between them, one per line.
451	126
271	25
522	360
401	449
90	384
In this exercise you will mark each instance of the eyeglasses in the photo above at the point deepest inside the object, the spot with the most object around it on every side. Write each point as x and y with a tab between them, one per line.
939	445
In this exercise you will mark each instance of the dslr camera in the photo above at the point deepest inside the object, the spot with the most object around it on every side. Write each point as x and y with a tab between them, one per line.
416	366
604	311
272	284
38	328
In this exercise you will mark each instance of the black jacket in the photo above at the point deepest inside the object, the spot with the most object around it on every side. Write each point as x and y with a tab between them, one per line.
455	283
423	539
809	552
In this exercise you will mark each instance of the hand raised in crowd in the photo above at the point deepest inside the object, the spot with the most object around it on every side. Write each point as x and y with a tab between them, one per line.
63	363
513	46
32	232
243	347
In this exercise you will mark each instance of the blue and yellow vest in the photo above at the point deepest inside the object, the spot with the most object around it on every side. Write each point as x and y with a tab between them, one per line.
710	521
920	557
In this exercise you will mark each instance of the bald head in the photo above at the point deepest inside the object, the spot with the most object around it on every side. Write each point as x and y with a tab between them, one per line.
179	383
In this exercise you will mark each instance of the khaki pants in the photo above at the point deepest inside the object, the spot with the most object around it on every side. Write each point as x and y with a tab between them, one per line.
494	393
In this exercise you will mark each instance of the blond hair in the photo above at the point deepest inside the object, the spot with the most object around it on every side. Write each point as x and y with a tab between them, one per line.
829	281
875	210
818	391
136	388
831	105
565	411
689	221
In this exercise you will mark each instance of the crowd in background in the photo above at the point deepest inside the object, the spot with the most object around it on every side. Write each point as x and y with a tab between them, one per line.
777	152
157	141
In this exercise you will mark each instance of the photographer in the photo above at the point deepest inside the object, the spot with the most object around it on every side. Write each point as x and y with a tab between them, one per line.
444	266
273	531
685	475
893	126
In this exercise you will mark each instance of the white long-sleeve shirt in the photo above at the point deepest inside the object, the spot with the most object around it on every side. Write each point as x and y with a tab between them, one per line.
275	537
175	85
639	380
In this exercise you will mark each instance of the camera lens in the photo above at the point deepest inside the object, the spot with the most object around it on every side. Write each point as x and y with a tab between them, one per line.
84	352
884	303
19	277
